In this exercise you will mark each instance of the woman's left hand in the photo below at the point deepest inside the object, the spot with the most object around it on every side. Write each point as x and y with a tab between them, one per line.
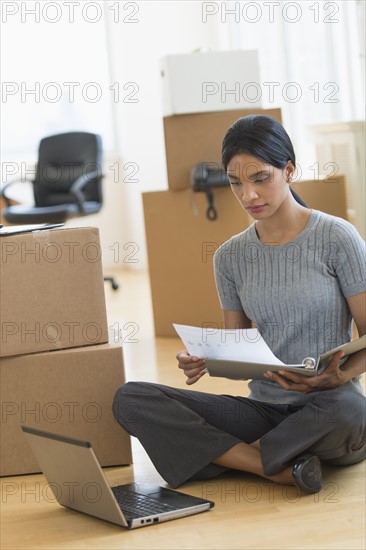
331	377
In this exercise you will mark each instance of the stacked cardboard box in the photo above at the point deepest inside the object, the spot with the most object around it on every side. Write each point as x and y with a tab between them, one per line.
58	371
194	138
181	240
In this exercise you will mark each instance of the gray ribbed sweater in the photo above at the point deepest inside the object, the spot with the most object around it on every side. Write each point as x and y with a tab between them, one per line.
294	293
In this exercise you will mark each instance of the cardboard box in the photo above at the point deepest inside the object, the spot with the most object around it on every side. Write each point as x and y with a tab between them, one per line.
190	139
51	291
327	195
69	392
210	81
181	242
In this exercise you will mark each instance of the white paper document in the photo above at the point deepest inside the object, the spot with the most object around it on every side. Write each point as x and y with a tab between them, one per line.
245	345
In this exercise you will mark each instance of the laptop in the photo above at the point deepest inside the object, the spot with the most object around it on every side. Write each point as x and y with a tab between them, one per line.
78	482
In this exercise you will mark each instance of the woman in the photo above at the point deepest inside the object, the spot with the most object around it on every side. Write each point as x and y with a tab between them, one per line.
299	276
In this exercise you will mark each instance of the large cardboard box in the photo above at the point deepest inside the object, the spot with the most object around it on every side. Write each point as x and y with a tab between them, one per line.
210	81
181	242
51	291
69	392
194	138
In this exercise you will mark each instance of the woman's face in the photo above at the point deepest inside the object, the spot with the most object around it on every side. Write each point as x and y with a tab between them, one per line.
259	187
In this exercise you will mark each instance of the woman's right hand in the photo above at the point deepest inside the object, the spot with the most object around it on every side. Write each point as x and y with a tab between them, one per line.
193	367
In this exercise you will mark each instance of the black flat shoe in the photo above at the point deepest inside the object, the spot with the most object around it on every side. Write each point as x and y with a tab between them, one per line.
307	473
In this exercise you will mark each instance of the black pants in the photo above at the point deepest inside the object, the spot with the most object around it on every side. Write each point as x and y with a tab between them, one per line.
183	431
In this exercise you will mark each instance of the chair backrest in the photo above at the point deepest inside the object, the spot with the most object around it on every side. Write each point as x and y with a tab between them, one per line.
62	159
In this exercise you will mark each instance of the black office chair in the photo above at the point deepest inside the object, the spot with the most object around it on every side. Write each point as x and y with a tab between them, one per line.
67	182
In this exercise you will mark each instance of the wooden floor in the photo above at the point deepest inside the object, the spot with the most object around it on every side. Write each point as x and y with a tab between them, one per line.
249	513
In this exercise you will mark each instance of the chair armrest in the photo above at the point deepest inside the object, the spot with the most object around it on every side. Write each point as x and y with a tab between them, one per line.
76	188
7	185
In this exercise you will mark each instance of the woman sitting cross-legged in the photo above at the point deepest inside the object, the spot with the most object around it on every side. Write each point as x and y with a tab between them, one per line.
299	276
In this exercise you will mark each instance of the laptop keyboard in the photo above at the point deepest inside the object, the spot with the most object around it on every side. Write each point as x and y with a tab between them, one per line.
135	505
